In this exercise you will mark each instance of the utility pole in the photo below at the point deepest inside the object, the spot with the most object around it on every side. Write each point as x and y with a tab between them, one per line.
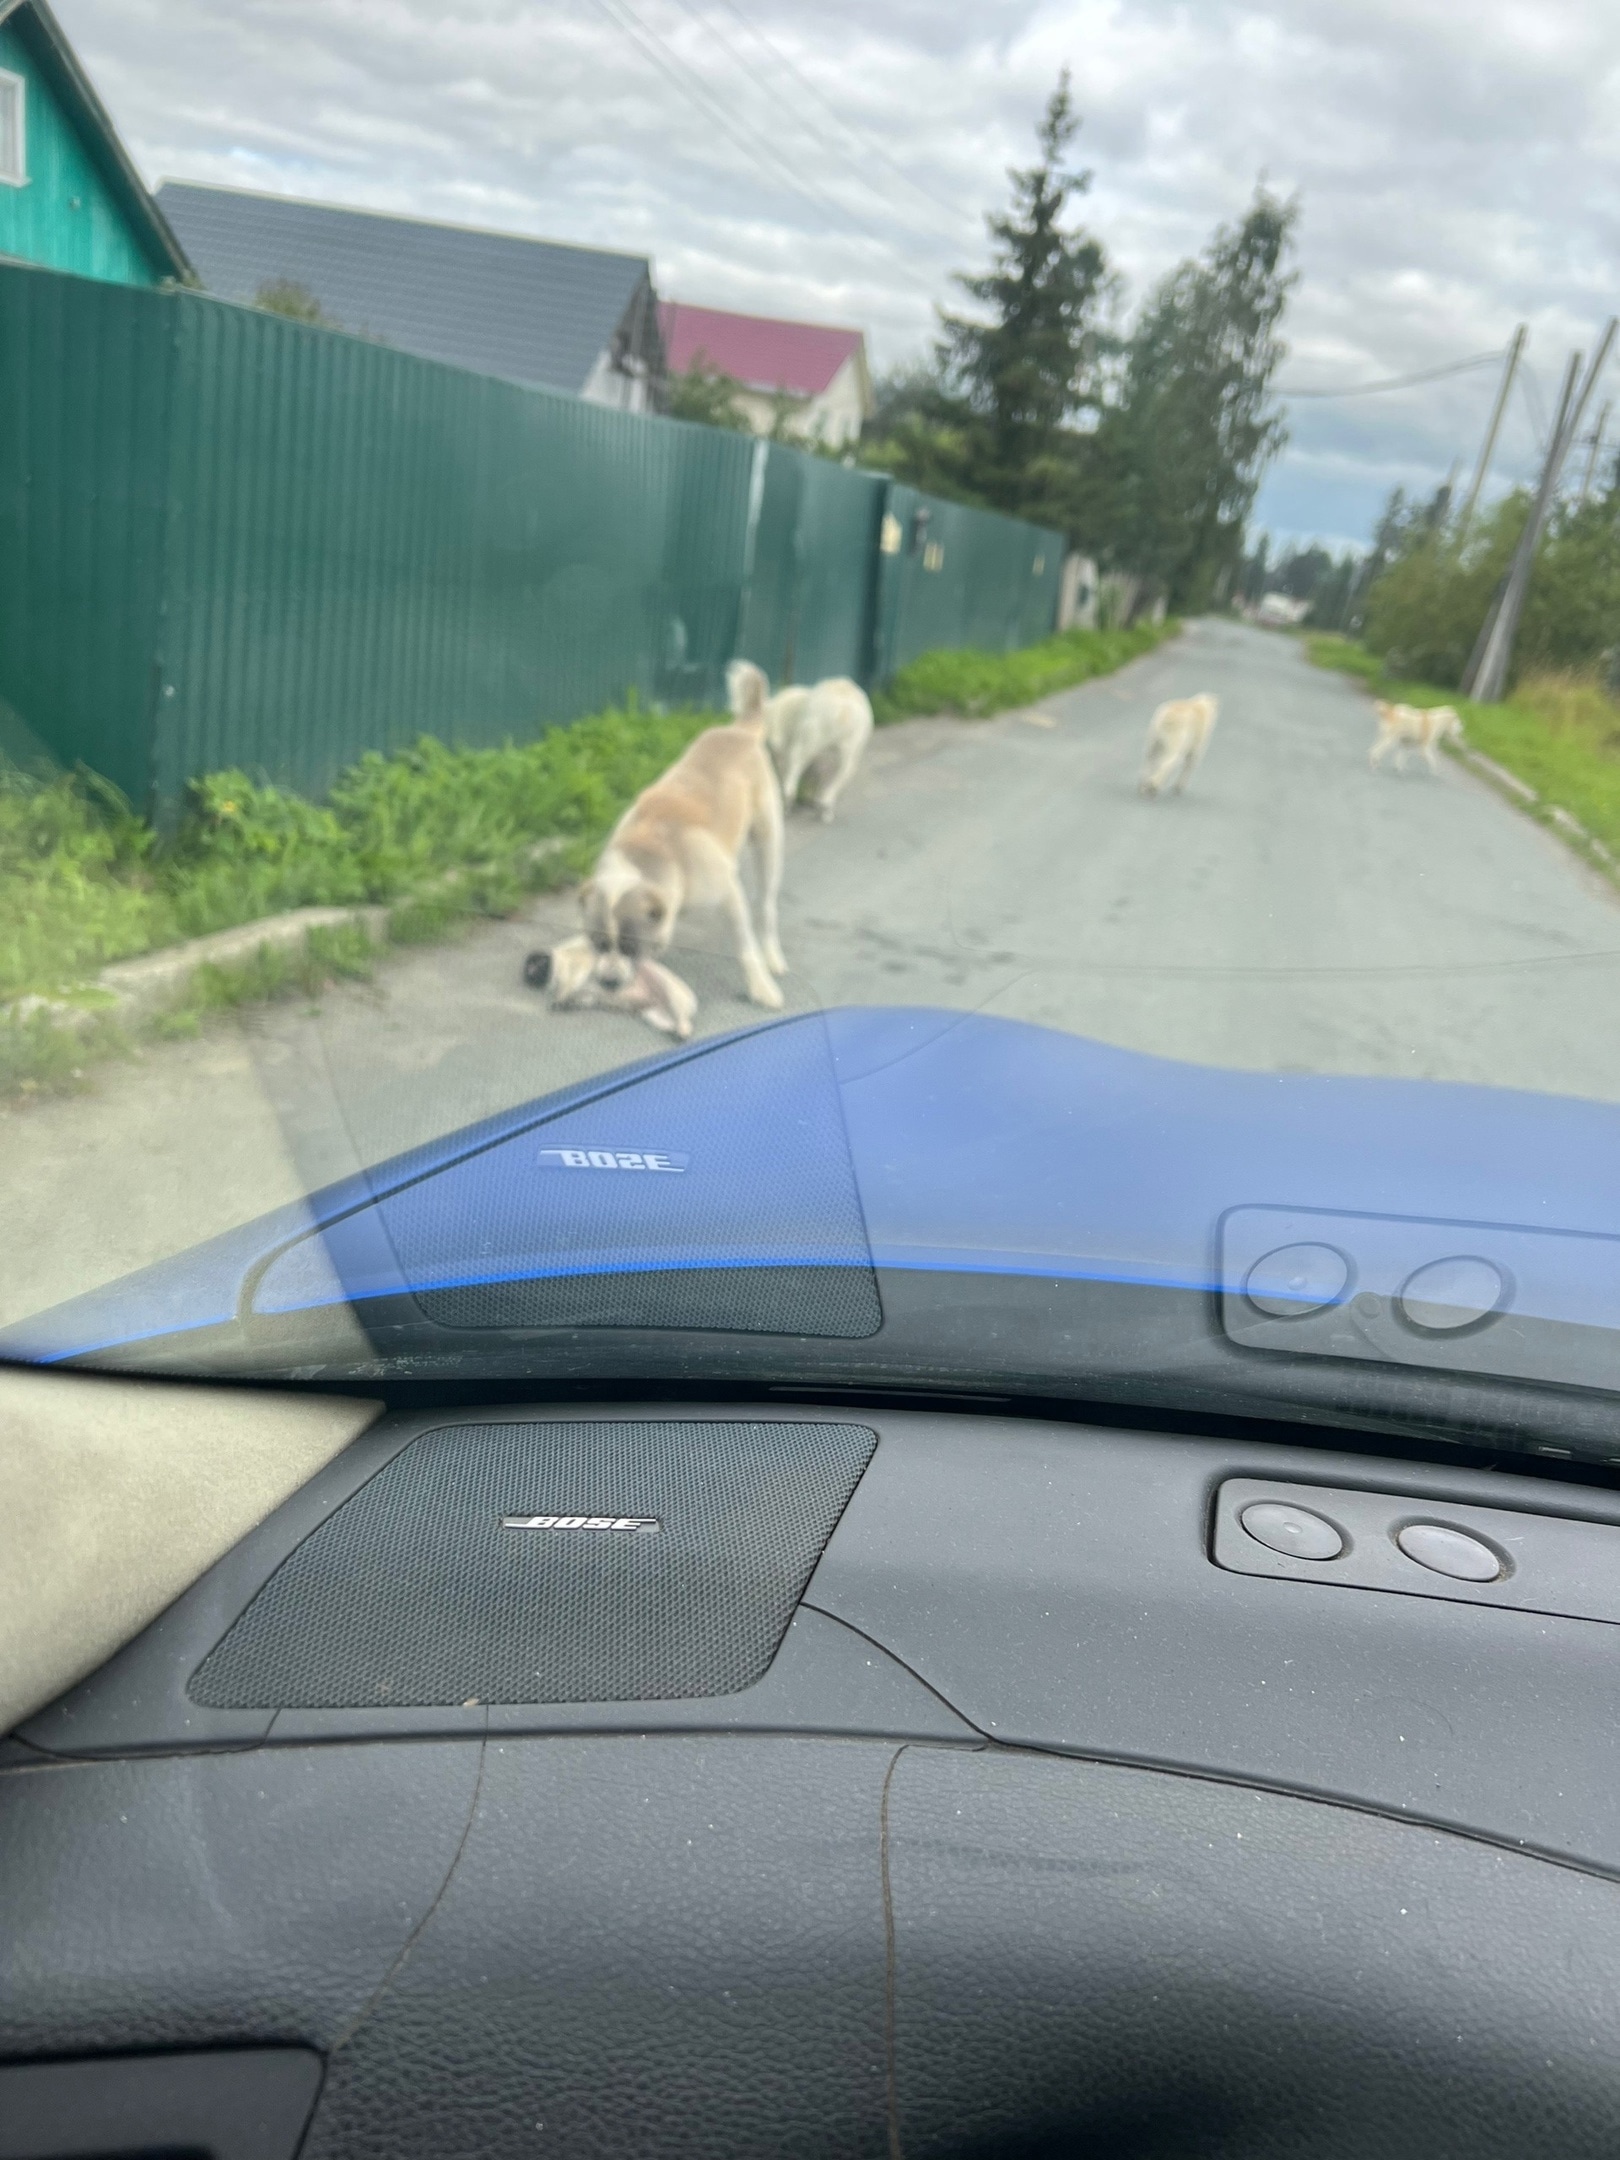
1489	676
1510	368
1596	440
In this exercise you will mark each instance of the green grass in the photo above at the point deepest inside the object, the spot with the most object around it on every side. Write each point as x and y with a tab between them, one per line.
1559	733
441	835
974	685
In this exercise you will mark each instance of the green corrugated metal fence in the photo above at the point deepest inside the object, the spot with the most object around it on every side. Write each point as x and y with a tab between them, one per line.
230	539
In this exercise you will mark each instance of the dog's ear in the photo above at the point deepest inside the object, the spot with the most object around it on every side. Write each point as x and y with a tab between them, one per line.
537	970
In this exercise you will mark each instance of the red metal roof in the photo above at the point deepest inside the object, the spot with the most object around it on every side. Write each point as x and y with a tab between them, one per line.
758	350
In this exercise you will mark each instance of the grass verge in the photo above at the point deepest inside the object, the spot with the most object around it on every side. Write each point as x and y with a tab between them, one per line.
1559	733
975	685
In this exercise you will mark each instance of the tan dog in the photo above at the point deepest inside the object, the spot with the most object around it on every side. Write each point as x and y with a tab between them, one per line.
654	992
680	844
1413	727
1178	736
818	733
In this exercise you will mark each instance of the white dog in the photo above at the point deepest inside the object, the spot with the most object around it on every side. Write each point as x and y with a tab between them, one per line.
654	992
817	733
1413	727
681	842
1178	736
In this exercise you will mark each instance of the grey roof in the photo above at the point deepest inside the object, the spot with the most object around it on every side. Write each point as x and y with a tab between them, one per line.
531	310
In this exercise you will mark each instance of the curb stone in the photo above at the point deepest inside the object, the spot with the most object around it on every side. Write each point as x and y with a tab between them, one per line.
134	991
1565	820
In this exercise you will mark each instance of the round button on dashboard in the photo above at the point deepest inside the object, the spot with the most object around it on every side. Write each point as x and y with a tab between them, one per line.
1296	1280
1451	1294
1450	1552
1292	1530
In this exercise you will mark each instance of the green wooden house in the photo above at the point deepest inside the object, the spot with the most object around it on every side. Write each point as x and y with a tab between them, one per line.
70	197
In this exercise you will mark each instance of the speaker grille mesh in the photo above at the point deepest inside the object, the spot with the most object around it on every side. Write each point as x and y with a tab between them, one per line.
412	1592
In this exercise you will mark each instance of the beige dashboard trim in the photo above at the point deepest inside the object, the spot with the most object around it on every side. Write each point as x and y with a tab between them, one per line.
115	1495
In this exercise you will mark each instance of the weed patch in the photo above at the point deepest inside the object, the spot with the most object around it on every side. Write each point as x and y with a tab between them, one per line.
974	685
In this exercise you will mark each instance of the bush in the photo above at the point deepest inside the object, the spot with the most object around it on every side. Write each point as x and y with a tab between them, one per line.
973	685
1424	612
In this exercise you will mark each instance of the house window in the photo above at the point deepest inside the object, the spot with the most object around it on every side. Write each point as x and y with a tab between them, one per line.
13	143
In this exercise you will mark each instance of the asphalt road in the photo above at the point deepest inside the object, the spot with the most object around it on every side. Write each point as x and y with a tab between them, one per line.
1292	912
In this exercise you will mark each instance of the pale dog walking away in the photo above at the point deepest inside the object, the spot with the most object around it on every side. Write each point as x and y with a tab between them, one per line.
1413	727
817	733
1178	736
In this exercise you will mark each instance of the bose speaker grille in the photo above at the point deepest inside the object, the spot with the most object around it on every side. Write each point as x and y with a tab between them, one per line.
658	1560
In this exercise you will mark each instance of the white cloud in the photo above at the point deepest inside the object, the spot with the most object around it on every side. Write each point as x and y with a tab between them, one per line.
1459	166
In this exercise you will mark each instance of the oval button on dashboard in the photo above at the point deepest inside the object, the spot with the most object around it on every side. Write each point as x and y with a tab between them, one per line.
1297	1280
1292	1530
1452	1293
1450	1552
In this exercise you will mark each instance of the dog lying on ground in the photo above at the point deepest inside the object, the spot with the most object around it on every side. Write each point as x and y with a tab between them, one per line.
680	844
1413	727
1178	736
654	992
816	734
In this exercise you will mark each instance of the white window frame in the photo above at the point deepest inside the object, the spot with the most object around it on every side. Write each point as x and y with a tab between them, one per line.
17	86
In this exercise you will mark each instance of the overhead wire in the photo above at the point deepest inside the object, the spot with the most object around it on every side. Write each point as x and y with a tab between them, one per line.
760	151
1531	391
813	128
1395	382
863	138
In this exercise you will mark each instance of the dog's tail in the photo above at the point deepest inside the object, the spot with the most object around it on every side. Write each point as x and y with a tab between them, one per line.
747	688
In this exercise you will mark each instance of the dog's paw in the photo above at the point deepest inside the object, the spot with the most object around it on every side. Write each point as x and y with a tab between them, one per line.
775	960
764	992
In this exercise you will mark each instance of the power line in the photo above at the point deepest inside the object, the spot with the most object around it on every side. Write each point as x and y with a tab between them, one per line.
1535	408
760	151
813	128
1397	382
862	137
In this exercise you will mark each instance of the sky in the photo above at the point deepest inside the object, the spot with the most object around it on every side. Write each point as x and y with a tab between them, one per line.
1457	164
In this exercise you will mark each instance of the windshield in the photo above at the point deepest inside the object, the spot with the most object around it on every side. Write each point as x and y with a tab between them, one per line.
793	721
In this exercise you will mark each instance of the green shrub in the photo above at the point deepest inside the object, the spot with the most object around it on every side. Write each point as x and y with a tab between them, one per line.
973	685
1424	612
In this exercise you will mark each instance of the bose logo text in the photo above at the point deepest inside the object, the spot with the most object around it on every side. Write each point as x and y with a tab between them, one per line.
580	1522
601	1158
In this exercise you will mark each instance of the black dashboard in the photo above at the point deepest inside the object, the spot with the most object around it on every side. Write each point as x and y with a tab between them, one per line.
754	1777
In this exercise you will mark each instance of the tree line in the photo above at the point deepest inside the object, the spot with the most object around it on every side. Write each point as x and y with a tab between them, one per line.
1145	445
1429	581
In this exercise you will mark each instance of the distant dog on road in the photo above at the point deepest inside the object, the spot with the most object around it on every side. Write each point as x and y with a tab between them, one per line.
680	843
817	734
1413	727
1178	736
